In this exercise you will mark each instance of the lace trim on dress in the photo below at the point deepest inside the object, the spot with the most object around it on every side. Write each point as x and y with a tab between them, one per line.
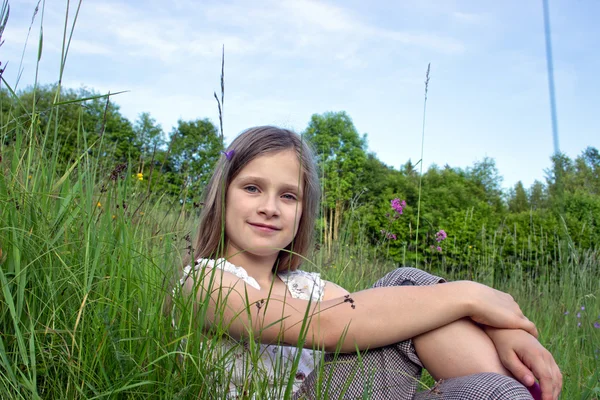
222	264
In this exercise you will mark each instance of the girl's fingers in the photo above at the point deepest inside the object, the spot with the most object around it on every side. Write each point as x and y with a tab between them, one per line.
546	379
519	370
529	327
558	380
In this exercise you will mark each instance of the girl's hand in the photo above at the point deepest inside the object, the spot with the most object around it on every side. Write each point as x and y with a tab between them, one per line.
492	307
526	358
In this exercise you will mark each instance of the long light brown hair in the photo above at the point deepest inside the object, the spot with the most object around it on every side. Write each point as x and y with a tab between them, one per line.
211	239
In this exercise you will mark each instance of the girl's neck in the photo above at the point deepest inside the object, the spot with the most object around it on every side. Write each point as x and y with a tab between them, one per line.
258	267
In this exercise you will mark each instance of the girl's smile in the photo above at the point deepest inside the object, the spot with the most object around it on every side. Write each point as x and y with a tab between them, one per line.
264	228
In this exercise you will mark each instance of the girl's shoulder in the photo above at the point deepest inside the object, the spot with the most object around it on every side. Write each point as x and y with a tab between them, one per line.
223	265
304	285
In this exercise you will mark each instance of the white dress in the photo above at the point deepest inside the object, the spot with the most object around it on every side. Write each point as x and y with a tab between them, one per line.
275	362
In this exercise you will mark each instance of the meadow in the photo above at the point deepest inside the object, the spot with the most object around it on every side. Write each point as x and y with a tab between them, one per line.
85	262
89	248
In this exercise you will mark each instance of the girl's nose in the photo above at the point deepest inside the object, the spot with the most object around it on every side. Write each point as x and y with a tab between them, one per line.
269	206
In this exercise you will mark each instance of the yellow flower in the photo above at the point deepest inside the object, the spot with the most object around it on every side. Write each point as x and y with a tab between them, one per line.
114	216
140	176
470	247
141	213
29	177
99	205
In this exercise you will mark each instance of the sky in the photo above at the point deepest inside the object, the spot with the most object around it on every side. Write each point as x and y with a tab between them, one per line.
286	60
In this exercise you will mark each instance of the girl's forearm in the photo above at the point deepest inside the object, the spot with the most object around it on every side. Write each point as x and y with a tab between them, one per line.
382	316
368	319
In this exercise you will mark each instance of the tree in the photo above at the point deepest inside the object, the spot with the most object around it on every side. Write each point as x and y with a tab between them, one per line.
537	195
195	149
485	174
341	155
587	171
149	134
518	201
67	124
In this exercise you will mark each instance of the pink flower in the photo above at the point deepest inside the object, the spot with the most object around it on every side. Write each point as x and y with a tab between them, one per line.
388	235
398	205
439	249
441	235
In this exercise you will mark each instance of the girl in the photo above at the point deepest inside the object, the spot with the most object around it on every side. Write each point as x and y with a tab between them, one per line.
256	229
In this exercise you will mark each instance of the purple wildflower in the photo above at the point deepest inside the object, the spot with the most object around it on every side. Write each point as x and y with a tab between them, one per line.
388	235
578	315
566	313
228	154
439	249
582	308
597	325
579	324
441	235
398	205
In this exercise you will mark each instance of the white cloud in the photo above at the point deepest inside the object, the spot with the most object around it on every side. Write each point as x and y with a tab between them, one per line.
470	18
88	47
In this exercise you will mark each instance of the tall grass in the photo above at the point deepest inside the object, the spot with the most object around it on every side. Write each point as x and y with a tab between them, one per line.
85	266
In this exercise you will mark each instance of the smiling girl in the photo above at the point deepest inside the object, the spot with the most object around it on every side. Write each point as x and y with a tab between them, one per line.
256	230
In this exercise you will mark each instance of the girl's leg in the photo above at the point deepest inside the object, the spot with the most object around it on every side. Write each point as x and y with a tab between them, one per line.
457	349
394	371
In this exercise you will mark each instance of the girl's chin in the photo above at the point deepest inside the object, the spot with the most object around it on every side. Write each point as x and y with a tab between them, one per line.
264	251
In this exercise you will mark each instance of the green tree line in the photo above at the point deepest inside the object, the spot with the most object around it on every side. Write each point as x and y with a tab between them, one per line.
485	225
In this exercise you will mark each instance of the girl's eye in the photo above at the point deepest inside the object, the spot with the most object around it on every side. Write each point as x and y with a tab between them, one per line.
289	196
251	189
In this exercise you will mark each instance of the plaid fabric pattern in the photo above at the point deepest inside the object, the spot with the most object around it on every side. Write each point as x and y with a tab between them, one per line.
393	372
487	385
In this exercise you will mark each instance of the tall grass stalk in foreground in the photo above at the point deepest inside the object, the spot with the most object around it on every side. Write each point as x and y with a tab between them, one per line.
421	162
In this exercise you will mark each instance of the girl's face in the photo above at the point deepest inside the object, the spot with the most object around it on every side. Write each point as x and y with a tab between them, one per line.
264	205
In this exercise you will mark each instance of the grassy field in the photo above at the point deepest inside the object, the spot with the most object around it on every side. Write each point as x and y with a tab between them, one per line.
85	264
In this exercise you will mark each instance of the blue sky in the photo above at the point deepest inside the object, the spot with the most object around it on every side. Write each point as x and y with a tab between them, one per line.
286	60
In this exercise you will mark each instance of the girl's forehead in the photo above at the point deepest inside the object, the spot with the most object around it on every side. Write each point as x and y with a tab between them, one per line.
282	165
282	159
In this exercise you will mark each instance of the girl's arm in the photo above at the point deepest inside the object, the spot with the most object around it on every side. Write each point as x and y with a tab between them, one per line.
366	319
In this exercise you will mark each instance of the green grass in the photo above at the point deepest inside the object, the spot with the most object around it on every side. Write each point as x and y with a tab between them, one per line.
85	267
83	287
